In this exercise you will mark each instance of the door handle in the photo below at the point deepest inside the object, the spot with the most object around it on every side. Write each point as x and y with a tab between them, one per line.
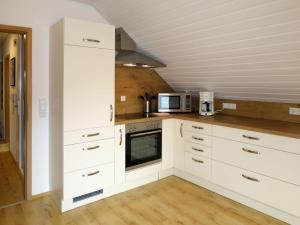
197	160
111	113
121	137
250	178
181	125
197	149
90	135
196	127
91	40
90	174
250	137
197	138
91	148
250	151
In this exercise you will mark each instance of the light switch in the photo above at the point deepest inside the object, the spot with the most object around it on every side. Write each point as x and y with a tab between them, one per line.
123	98
43	108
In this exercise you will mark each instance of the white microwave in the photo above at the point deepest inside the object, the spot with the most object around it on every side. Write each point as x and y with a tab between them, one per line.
174	102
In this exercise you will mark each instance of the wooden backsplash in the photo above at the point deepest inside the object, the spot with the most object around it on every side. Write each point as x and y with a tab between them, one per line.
132	82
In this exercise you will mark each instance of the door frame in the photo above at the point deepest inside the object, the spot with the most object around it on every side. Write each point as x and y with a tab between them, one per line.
6	99
28	103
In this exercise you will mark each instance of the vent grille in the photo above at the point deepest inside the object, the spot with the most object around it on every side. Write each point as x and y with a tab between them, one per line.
89	195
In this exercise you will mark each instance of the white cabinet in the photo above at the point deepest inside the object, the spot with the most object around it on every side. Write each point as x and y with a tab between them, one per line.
198	166
81	111
120	154
179	145
168	132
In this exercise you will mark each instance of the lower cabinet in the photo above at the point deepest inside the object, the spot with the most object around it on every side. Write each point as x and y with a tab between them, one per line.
197	165
120	154
179	145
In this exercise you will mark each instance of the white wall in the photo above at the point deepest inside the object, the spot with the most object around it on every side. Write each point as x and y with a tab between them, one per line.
40	15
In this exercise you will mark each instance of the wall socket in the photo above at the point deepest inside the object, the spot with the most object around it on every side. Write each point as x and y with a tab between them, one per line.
294	111
231	106
123	98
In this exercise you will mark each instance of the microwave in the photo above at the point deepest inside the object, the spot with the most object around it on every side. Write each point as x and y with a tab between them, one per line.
174	102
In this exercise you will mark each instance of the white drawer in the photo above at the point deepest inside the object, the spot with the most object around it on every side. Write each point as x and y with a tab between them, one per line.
80	136
257	138
197	165
270	191
196	127
201	139
197	149
88	180
278	164
89	34
85	155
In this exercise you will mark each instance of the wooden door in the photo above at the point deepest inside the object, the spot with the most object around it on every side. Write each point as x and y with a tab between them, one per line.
88	87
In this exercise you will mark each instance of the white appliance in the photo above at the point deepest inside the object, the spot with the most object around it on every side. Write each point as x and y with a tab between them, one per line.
174	102
206	103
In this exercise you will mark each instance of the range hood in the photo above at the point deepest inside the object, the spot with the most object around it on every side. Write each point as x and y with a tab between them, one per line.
126	54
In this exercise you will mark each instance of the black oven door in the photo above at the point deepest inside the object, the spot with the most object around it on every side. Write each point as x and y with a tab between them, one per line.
143	148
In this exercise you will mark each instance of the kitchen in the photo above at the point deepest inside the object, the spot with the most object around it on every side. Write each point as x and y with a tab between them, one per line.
129	131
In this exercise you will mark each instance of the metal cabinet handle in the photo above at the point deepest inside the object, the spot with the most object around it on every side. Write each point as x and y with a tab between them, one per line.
197	160
90	135
91	40
250	137
250	178
181	125
197	149
111	113
196	127
197	138
91	148
90	174
121	137
250	151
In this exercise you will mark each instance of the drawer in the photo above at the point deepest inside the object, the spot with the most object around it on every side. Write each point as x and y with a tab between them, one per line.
88	180
197	149
278	164
251	137
85	155
89	34
201	128
196	138
80	136
270	191
197	165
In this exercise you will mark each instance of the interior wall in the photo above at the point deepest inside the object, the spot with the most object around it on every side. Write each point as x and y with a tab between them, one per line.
40	15
132	82
10	47
1	96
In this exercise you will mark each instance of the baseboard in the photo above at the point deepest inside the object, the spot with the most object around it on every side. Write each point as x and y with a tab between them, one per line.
41	195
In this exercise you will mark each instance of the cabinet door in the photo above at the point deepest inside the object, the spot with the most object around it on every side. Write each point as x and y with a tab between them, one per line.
120	154
179	145
168	143
88	87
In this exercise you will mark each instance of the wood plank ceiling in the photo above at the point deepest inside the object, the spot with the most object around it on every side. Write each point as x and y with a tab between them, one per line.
241	49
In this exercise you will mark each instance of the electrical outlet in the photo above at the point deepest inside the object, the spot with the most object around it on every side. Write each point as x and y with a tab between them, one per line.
123	98
294	111
231	106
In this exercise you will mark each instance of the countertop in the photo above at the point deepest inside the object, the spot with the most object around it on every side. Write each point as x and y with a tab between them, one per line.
275	127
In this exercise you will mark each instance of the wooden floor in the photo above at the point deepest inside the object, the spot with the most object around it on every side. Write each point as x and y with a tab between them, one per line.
11	182
166	202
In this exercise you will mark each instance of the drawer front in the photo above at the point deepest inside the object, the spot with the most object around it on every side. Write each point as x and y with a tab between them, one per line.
196	149
251	137
197	165
80	136
85	155
201	139
201	128
278	164
89	34
270	191
88	180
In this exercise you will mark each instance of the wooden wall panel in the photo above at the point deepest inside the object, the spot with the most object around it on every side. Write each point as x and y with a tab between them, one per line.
132	82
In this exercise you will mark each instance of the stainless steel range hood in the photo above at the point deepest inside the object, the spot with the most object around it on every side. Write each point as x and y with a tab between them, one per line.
126	54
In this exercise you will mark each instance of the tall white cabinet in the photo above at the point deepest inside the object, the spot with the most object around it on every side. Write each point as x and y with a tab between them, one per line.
82	134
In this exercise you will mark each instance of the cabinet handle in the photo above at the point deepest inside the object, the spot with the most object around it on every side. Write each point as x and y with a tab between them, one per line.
250	151
90	174
91	40
250	137
121	137
197	138
197	149
91	148
197	160
250	178
196	127
111	113
181	125
90	135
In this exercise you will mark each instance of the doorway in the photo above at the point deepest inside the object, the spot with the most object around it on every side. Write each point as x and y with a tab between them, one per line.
15	114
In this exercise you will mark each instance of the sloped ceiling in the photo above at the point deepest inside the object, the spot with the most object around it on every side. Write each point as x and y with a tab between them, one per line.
241	49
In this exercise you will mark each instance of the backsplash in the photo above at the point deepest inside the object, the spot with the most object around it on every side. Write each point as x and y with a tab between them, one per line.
132	82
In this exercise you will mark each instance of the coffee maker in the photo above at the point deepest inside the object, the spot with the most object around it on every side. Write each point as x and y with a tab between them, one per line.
206	103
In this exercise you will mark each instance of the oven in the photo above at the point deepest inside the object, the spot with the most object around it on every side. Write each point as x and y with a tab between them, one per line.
143	144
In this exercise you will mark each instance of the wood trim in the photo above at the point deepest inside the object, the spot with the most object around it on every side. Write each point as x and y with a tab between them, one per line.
28	102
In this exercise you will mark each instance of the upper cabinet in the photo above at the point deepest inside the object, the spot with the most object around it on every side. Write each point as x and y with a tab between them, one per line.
89	34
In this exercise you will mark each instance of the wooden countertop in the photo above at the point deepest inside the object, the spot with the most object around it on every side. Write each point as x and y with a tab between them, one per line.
275	127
